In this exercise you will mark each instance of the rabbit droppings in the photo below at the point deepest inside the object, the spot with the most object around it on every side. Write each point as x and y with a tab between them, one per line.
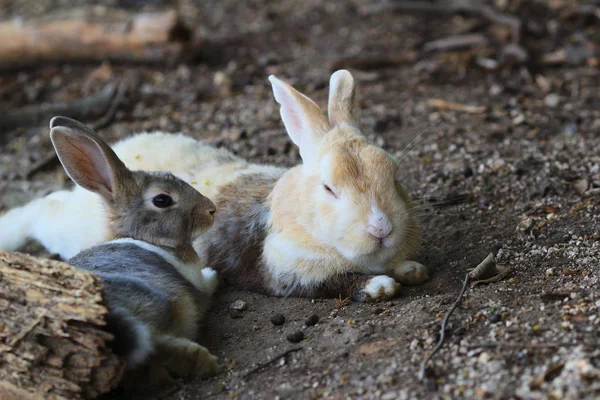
338	224
156	287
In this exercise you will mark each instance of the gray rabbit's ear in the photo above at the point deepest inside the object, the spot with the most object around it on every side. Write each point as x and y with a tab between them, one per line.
87	159
72	124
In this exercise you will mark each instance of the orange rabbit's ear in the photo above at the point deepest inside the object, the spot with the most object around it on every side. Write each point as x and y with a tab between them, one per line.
87	159
303	119
342	102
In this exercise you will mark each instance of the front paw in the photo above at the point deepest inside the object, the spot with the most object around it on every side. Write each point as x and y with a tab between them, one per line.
380	287
411	273
186	359
195	360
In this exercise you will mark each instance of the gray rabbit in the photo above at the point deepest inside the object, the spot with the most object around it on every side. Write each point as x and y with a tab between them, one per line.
156	286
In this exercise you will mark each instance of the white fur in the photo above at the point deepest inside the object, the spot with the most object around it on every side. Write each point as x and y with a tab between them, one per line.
211	280
381	286
193	273
64	222
291	264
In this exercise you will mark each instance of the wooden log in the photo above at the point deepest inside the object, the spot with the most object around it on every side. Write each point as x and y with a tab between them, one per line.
52	339
146	37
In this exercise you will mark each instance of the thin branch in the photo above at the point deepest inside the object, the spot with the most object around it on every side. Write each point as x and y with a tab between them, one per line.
272	360
51	159
517	345
112	110
475	7
77	109
443	329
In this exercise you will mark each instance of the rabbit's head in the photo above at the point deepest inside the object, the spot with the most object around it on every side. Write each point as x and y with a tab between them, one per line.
154	207
354	200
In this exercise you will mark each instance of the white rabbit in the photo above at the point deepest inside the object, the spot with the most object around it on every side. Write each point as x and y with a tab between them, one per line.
338	224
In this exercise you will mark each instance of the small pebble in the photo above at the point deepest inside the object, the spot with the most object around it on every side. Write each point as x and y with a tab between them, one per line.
552	100
312	320
494	318
278	319
550	272
239	305
295	337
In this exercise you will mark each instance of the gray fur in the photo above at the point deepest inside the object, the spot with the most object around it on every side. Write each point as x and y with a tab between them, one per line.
138	281
234	244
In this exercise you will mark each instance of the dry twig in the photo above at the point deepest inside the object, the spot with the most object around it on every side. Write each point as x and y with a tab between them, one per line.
475	7
51	159
456	42
517	345
272	360
82	108
443	329
339	302
444	105
373	62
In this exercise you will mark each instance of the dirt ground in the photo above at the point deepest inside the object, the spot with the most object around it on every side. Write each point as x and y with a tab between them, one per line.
519	177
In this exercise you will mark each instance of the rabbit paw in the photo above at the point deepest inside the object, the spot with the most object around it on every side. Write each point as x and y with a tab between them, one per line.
195	360
380	287
187	359
411	273
201	361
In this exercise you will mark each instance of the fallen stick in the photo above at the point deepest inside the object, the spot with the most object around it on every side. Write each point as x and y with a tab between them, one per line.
107	118
83	108
440	343
475	7
271	361
53	322
146	38
517	345
51	159
444	105
456	42
373	62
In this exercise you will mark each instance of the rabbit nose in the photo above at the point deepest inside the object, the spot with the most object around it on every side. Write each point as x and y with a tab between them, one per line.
212	211
379	225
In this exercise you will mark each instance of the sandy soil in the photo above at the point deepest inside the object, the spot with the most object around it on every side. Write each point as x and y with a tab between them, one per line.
519	178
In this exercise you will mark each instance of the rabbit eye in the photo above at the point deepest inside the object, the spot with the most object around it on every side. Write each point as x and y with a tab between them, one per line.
329	190
162	201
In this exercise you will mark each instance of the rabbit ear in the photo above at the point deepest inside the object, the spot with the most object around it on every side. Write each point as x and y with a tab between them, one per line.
342	103
303	119
87	159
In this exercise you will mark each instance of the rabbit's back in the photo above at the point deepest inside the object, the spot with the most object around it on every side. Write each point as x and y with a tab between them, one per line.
145	283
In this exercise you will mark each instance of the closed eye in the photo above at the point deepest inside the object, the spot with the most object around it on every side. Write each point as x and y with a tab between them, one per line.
330	191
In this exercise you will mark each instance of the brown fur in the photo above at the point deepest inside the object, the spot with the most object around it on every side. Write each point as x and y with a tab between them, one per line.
233	246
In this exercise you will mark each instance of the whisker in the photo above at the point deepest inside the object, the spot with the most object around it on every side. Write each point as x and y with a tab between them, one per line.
402	153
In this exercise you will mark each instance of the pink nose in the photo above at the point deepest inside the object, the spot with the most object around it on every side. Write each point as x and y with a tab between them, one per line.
379	225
